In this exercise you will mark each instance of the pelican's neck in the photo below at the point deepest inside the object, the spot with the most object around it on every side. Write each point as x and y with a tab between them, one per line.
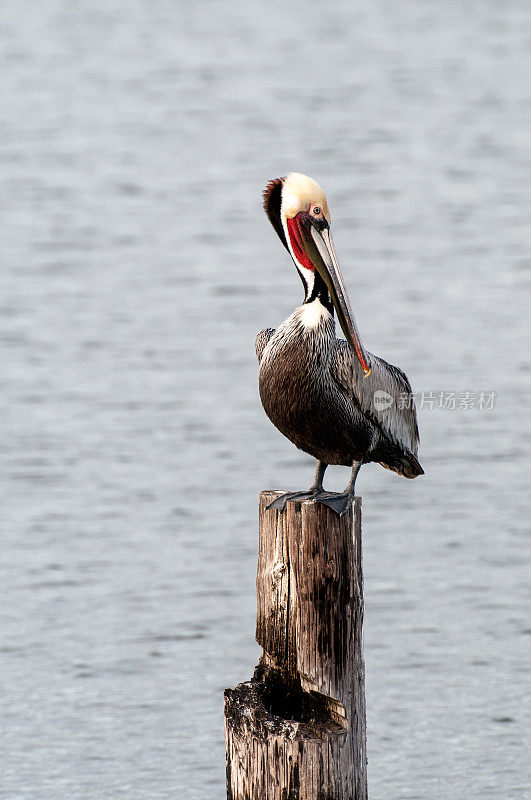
312	314
317	290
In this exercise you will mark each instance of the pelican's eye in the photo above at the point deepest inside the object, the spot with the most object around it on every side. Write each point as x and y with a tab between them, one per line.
317	211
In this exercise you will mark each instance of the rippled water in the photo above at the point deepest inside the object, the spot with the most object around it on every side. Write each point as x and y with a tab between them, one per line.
136	268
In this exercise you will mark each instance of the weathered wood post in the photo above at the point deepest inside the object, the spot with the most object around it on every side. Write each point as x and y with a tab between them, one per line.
296	730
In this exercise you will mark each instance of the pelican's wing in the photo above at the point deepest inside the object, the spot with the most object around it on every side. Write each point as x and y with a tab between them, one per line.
384	396
261	340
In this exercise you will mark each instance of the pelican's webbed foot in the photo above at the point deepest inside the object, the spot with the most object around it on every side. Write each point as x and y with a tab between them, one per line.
279	503
341	502
337	502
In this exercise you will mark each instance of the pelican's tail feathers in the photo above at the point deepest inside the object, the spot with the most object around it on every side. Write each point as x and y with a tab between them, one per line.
406	464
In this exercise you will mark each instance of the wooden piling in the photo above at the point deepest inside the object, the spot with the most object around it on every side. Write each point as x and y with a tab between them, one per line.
296	730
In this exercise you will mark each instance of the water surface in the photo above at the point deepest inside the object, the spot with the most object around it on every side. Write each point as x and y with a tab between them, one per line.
137	267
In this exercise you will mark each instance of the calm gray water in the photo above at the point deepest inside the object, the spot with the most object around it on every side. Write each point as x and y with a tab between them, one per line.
136	268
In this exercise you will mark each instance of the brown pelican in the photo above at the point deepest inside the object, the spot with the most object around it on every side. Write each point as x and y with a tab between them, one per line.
330	397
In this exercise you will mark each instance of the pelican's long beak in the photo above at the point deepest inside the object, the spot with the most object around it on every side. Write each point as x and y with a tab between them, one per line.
326	264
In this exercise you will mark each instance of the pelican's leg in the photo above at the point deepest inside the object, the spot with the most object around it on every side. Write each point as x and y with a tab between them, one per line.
279	503
342	502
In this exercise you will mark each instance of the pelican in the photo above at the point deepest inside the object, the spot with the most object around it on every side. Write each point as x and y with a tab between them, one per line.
330	397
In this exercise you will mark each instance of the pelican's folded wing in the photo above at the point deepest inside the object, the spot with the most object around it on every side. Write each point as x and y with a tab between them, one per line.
384	396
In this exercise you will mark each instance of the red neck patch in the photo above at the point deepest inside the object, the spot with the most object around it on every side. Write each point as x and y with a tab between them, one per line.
296	237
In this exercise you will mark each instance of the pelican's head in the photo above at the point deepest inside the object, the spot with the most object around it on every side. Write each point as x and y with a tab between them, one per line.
297	208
